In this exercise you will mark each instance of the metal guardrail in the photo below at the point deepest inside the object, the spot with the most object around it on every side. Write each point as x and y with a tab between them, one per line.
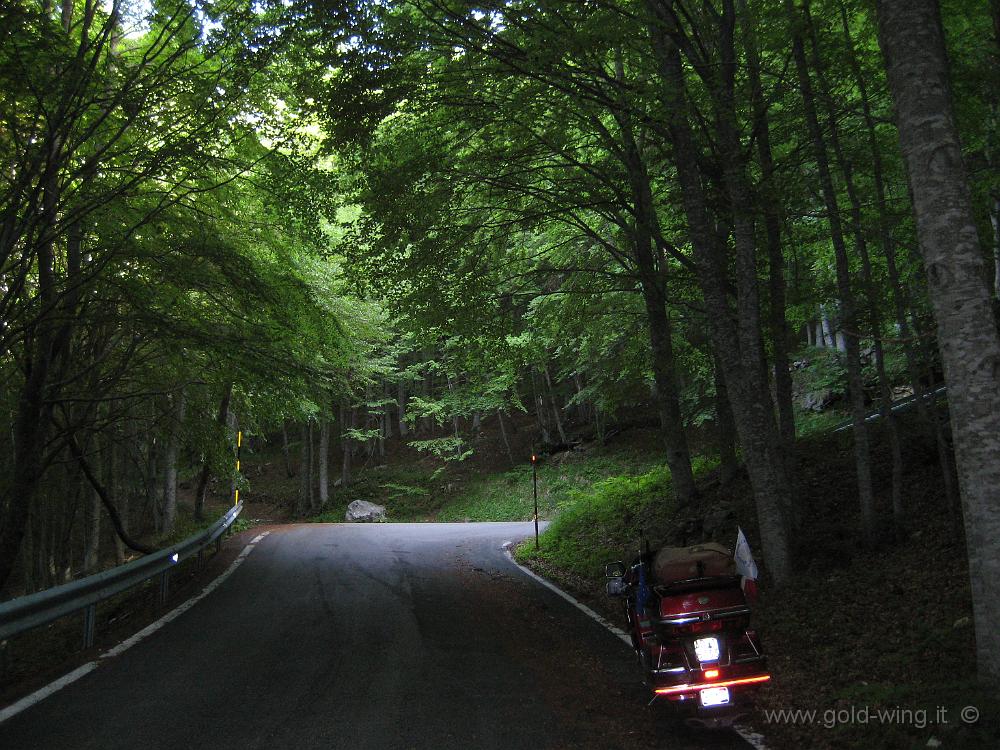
26	612
902	404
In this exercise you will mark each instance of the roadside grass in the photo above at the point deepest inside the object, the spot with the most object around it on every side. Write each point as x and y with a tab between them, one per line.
596	522
603	522
509	496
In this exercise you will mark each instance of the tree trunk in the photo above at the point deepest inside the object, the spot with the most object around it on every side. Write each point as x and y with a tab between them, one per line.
324	462
302	503
312	467
540	409
92	532
29	436
170	457
118	511
206	469
992	146
555	405
777	321
995	223
503	434
929	414
386	417
582	408
347	423
284	450
653	284
912	40
404	428
725	427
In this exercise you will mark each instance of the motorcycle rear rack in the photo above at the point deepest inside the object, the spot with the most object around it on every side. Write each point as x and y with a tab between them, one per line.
704	616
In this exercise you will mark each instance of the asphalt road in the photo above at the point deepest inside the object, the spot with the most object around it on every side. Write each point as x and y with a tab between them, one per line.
367	636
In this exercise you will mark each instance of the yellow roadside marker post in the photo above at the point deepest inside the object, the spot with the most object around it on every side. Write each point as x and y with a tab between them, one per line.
239	445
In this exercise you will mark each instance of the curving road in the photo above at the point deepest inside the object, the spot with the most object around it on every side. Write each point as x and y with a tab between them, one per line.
367	636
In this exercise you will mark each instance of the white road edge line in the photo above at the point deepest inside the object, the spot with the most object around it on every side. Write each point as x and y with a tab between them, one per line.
580	606
42	693
756	739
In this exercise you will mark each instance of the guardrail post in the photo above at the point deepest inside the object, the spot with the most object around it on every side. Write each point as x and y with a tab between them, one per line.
89	625
201	558
164	588
218	544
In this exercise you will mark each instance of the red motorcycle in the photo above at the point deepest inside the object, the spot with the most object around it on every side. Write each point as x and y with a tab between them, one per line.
689	620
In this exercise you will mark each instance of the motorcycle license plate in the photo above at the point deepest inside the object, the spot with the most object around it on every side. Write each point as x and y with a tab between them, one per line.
716	696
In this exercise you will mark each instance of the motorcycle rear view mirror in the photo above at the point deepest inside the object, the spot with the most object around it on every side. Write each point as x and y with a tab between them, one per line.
614	569
615	587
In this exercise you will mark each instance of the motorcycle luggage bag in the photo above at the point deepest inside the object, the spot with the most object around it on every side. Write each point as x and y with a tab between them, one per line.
700	561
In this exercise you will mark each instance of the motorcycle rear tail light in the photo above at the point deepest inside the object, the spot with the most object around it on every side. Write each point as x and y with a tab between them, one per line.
708	627
677	689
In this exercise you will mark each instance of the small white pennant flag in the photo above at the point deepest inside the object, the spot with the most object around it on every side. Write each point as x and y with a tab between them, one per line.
745	564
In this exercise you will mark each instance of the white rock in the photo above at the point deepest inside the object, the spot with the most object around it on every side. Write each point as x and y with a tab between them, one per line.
362	511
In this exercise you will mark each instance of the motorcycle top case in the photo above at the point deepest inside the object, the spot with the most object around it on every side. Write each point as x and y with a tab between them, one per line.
707	560
696	602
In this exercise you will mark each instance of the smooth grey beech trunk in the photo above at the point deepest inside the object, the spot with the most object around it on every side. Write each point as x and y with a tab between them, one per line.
303	499
92	531
324	462
725	426
348	417
284	450
554	404
995	223
503	434
912	40
540	409
206	469
170	455
404	428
